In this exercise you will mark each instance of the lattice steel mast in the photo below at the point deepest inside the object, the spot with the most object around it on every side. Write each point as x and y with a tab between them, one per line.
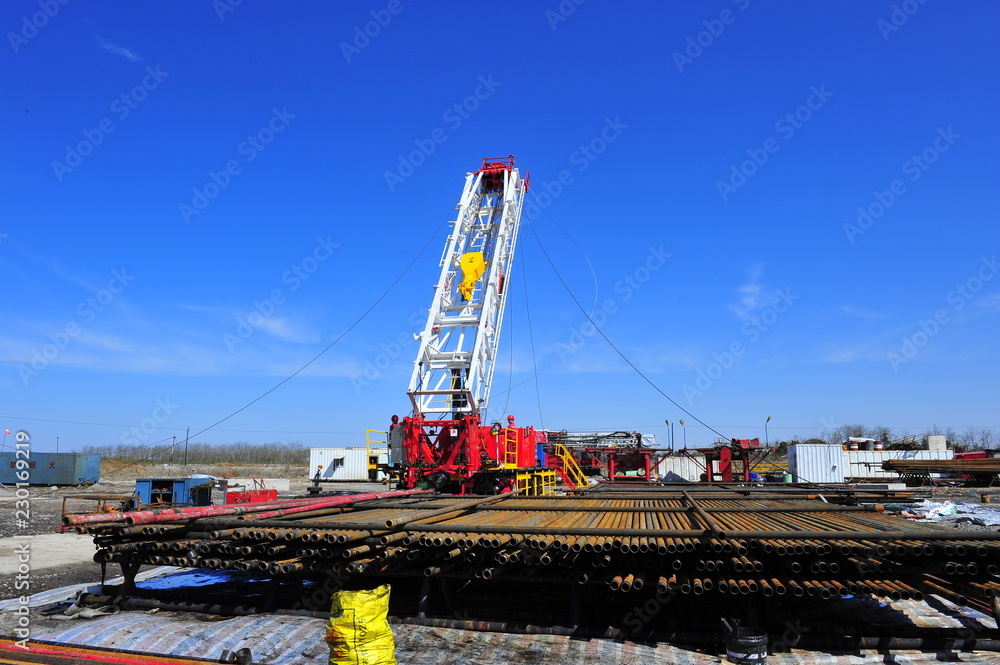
458	345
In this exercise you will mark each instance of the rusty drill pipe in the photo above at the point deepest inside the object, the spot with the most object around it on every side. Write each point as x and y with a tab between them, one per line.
138	518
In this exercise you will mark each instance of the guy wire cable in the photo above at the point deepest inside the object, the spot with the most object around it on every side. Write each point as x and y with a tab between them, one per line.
608	340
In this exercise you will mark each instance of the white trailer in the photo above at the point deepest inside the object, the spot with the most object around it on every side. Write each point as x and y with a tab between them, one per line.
347	464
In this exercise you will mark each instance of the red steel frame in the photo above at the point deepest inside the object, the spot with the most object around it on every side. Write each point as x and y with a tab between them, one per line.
622	460
463	456
719	460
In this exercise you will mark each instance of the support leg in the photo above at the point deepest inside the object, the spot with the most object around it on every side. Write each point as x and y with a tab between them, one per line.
446	598
425	592
575	606
129	571
272	593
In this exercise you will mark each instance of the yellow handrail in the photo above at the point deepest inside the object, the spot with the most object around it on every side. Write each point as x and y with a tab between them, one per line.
570	465
370	439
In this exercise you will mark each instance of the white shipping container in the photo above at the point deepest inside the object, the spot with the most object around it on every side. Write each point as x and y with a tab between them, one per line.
816	463
676	469
868	463
344	463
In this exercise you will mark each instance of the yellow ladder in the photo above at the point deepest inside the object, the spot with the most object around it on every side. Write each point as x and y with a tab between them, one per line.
510	447
570	467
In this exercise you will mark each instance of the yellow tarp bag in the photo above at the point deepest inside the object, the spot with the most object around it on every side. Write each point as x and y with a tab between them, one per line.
358	631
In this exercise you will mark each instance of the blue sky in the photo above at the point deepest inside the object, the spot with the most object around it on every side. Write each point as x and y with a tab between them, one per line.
784	210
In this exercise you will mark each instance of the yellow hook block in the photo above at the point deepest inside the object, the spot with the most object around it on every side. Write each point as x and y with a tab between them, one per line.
473	266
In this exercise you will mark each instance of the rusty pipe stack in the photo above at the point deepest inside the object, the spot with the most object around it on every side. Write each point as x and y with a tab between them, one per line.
714	542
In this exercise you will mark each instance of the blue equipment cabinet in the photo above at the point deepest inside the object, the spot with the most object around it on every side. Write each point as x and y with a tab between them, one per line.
188	491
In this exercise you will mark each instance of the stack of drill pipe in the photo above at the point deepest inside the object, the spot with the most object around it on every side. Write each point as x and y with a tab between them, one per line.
984	465
711	543
952	466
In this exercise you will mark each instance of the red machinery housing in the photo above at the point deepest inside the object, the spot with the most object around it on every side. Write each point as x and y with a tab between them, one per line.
461	456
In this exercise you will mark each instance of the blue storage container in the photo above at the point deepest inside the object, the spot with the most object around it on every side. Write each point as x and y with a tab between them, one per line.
189	491
51	468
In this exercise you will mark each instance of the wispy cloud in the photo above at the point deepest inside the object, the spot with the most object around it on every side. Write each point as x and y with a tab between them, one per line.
171	357
749	293
990	303
126	53
287	332
50	264
217	310
859	312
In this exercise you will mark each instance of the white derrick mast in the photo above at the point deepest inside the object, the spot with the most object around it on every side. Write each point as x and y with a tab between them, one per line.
458	345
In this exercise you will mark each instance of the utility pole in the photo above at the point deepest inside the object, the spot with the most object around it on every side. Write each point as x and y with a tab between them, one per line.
57	445
186	437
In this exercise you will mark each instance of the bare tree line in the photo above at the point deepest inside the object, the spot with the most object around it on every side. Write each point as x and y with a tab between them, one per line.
971	438
240	452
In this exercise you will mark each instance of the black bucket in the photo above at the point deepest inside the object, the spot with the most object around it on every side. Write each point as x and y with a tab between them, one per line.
746	646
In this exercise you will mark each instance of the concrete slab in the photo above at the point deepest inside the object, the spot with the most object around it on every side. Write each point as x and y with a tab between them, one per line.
51	550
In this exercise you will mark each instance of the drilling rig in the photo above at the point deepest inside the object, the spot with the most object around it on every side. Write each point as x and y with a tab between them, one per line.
445	444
